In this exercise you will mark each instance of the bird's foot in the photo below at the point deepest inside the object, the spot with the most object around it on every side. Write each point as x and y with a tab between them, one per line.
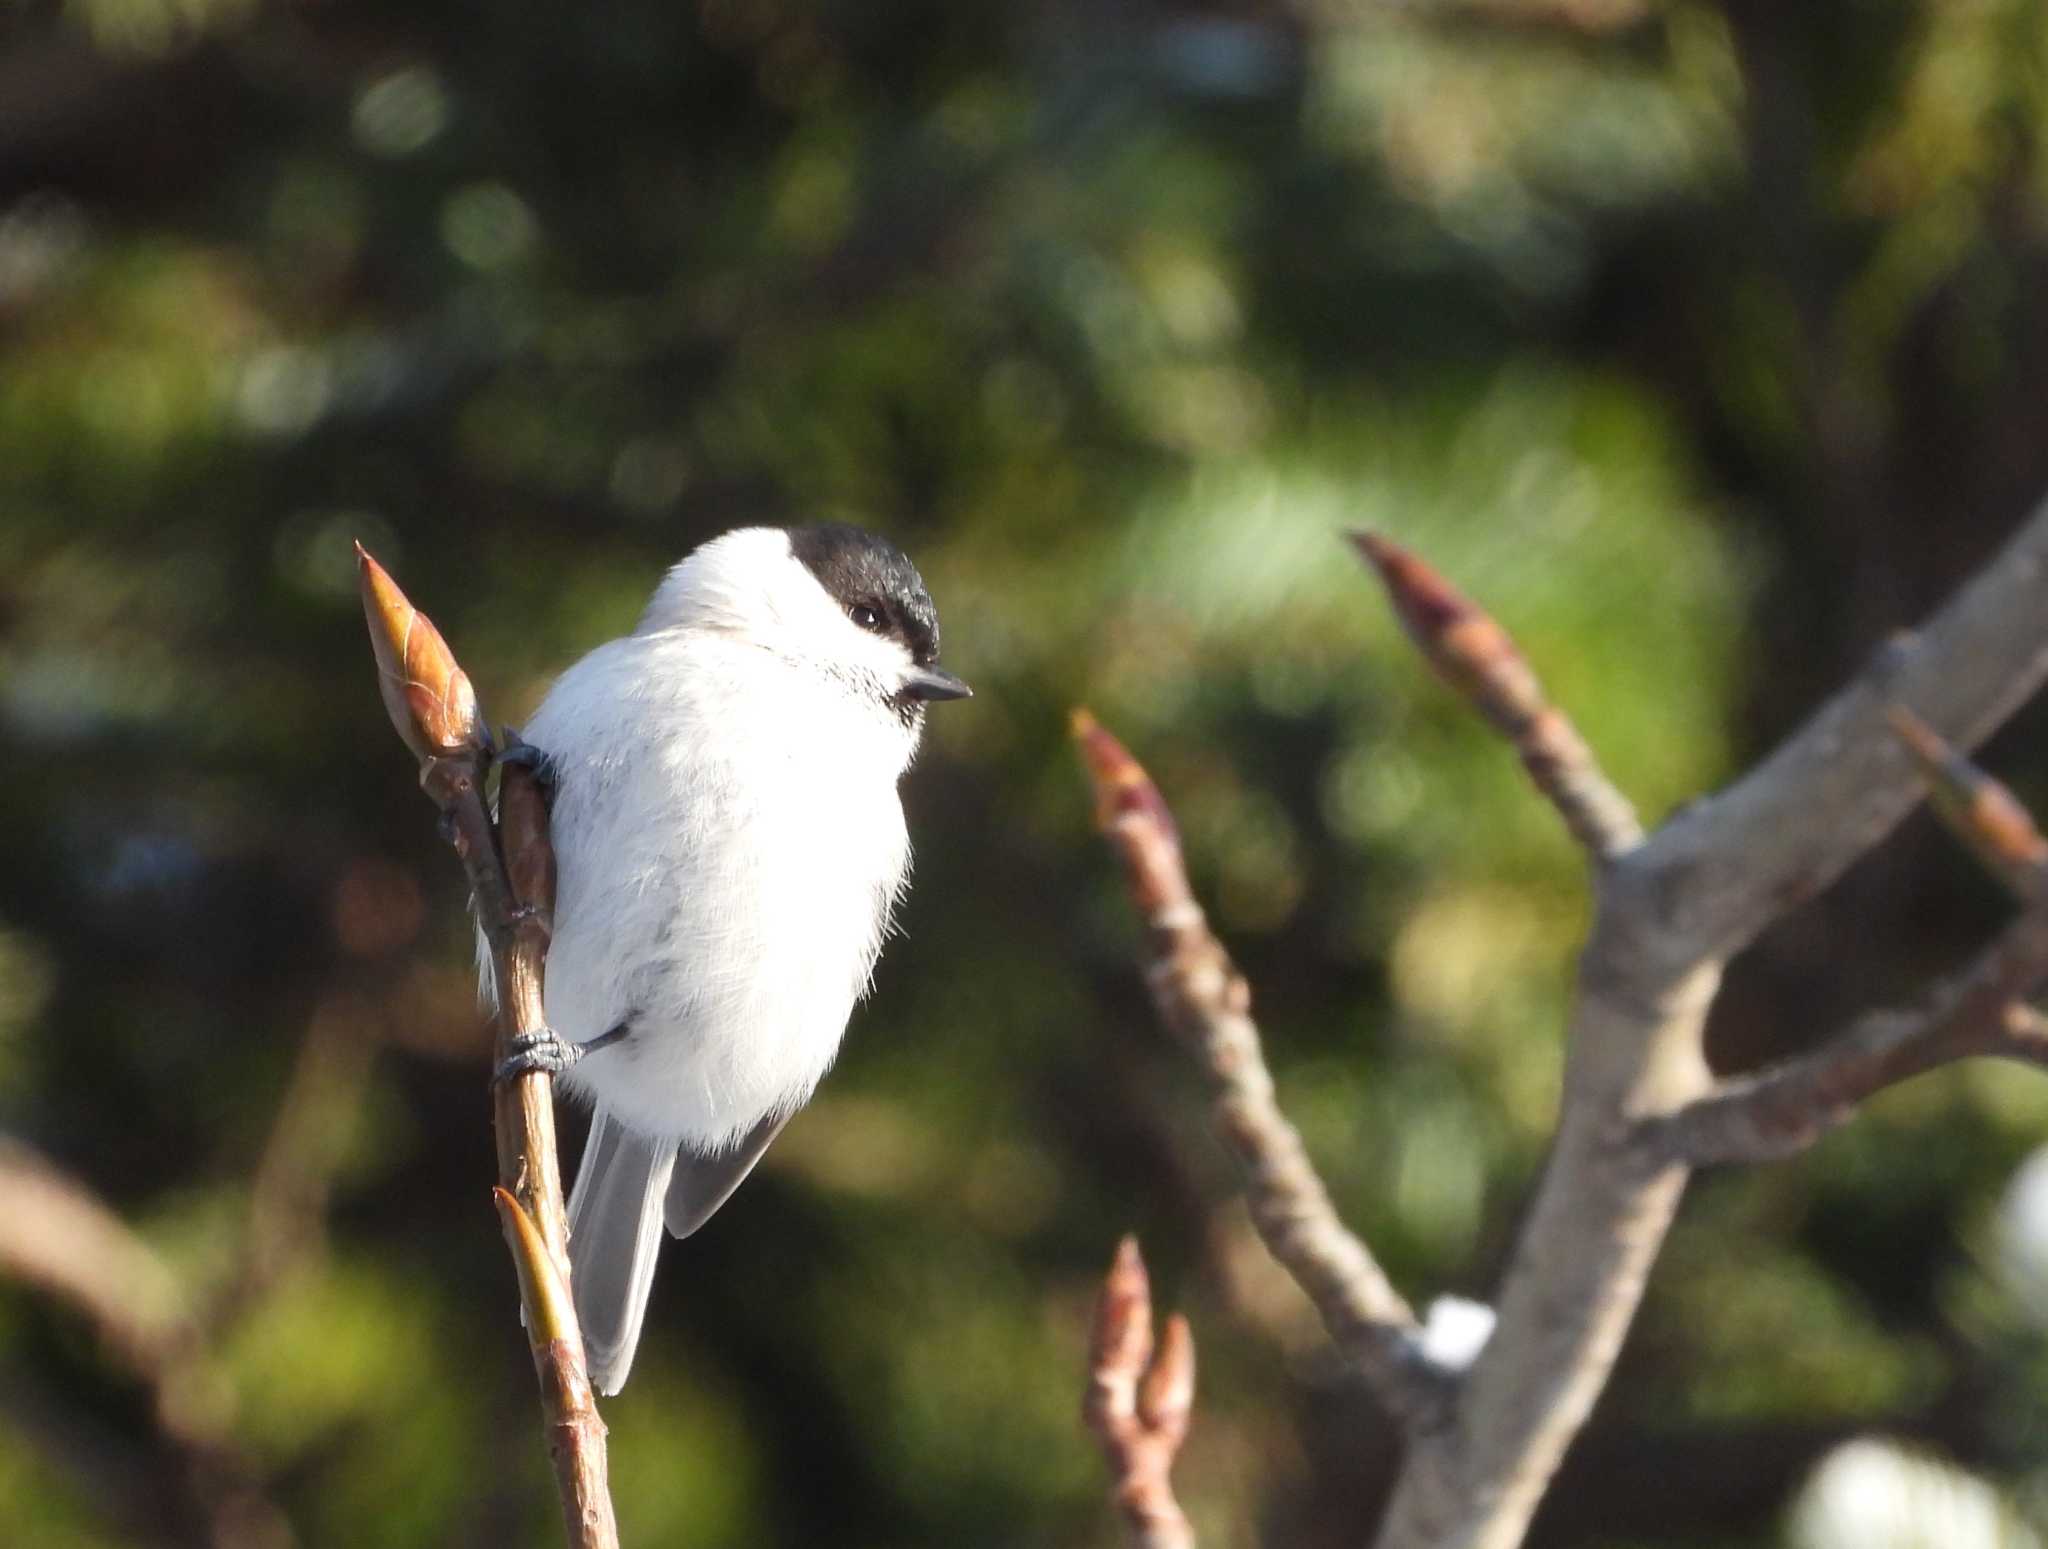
540	1052
532	760
546	1052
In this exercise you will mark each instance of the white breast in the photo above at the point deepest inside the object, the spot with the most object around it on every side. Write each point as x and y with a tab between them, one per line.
730	843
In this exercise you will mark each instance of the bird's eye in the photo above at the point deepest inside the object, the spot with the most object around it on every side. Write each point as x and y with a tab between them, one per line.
865	617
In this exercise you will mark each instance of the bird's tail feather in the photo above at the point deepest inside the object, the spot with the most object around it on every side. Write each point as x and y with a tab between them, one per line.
614	1232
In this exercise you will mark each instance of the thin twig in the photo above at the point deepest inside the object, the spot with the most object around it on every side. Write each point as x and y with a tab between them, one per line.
1206	1003
1139	1403
1478	658
1779	1111
510	866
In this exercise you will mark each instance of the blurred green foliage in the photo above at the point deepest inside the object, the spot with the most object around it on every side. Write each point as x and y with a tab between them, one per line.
1704	343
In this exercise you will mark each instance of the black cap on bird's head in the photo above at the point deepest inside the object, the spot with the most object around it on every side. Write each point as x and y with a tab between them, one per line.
881	591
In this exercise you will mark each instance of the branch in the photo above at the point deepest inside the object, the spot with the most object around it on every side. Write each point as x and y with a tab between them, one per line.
1728	867
1206	1004
1669	914
1138	1404
1478	658
510	866
57	1236
1780	1111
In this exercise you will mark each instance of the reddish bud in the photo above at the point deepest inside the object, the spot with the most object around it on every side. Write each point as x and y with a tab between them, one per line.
1121	1342
1121	785
1456	636
1980	810
1135	818
1166	1398
426	694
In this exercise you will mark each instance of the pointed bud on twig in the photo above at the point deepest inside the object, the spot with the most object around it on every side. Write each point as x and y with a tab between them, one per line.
1120	1346
1119	781
1458	637
550	1313
1166	1398
1138	1404
1479	660
427	695
1980	810
1134	816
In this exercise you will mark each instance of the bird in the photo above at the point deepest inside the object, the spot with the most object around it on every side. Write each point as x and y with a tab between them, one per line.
730	849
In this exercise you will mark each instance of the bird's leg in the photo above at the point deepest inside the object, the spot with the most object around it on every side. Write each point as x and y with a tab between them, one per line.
531	759
545	1051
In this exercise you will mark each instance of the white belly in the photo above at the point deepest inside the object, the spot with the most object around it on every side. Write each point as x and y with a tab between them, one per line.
724	885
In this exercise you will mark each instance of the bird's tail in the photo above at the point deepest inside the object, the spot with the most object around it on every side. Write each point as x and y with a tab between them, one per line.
614	1233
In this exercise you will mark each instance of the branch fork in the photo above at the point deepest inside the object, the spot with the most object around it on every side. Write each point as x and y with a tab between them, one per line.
1980	1010
1640	1107
1140	1399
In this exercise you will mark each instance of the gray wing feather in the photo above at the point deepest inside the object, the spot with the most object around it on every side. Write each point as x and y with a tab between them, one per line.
703	1183
614	1232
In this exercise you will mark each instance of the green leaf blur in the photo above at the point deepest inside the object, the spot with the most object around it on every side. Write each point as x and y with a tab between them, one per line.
1703	344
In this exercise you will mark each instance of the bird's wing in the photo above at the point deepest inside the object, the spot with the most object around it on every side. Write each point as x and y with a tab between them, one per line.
703	1183
614	1232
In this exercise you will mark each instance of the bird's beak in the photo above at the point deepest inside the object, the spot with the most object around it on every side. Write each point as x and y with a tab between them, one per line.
935	683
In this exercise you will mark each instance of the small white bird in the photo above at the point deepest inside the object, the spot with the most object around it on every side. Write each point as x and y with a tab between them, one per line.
729	845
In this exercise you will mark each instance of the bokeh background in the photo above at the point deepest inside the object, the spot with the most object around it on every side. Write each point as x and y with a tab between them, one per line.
1706	342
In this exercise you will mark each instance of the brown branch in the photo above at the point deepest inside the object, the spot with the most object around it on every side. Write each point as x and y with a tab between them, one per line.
1479	659
1206	1003
60	1238
1780	1111
510	866
1138	1404
1670	913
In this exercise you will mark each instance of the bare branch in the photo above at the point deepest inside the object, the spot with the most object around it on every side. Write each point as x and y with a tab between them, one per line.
510	866
1670	913
1138	1404
1780	1111
1728	867
1206	1003
59	1237
1478	658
